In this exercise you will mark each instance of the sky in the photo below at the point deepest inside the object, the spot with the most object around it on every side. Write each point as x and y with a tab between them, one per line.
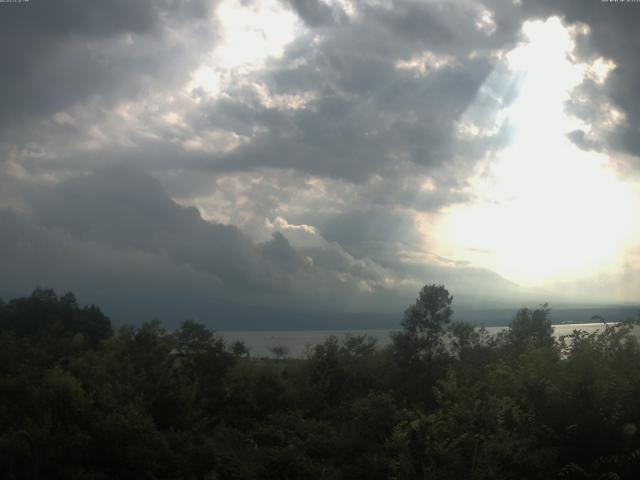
319	155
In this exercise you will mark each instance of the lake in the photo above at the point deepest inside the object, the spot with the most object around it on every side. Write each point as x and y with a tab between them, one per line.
296	342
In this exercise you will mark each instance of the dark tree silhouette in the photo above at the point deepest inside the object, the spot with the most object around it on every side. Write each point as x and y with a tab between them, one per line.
442	401
532	328
424	323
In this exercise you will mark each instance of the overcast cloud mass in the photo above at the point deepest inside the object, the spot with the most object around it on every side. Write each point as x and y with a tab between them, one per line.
317	154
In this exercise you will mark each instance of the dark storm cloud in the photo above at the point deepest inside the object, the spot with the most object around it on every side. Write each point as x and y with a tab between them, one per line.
116	234
443	27
350	136
123	208
88	228
364	111
56	54
360	111
367	233
314	12
362	114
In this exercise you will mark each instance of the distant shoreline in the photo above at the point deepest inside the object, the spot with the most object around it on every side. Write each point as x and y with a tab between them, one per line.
296	342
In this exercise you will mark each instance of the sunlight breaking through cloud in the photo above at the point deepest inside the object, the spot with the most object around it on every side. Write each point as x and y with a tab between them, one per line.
546	210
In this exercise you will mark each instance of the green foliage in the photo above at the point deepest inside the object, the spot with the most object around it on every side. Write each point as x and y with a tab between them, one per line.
423	324
444	401
531	328
54	319
193	337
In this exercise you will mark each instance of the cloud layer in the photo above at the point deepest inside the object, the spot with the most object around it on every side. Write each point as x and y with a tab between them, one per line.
293	152
117	233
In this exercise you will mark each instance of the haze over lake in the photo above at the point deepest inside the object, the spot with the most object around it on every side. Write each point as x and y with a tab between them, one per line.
297	343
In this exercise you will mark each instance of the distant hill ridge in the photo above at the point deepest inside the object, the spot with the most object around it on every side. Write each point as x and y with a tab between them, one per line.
224	315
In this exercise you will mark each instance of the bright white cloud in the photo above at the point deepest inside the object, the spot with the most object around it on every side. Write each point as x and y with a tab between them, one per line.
253	32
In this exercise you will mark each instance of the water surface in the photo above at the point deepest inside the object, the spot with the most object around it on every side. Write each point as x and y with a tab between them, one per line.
296	342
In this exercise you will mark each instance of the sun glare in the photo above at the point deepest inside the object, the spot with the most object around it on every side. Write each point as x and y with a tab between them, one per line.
250	34
546	210
253	32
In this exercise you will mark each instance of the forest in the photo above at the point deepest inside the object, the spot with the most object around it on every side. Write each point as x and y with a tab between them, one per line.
80	399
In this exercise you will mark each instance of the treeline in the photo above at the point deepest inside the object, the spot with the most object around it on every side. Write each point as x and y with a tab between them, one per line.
79	400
